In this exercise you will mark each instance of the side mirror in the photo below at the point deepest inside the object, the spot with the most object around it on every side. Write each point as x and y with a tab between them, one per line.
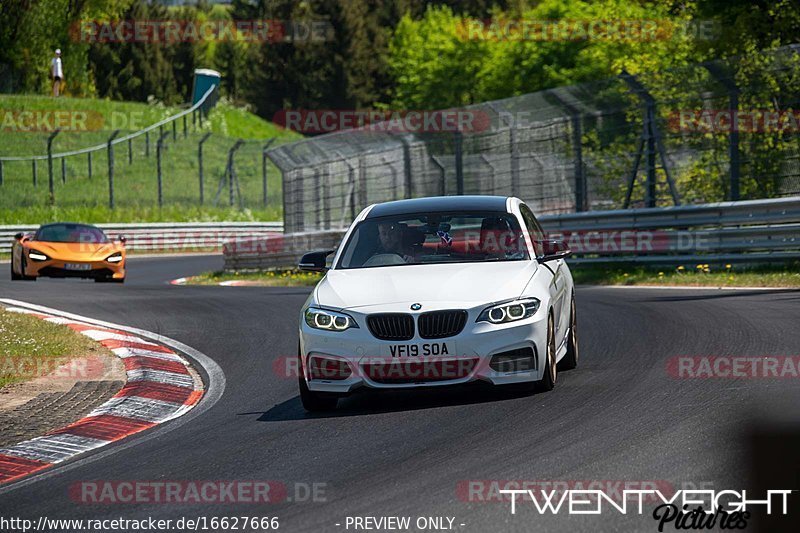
553	249
19	236
315	261
122	239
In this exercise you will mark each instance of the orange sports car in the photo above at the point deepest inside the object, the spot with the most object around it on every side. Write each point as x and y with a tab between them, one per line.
67	250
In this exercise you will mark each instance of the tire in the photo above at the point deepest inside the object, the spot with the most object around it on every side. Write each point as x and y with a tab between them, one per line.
548	381
570	359
109	279
22	275
14	275
312	401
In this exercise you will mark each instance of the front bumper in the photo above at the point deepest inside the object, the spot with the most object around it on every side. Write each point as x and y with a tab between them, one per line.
469	356
56	268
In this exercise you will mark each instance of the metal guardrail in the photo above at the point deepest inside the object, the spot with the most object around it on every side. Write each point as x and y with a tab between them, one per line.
754	231
174	237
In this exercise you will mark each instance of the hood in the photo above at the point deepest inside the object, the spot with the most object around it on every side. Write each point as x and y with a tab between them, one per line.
75	250
435	285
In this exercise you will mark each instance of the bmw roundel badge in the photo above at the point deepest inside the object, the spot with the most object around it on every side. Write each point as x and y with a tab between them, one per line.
416	307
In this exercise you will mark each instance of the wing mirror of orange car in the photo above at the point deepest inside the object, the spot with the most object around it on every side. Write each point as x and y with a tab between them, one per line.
553	249
19	236
122	239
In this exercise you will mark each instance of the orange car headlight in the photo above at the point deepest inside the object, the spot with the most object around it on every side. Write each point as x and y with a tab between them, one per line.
37	256
114	258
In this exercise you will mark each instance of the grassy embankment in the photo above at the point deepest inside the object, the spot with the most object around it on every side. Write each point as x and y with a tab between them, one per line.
86	200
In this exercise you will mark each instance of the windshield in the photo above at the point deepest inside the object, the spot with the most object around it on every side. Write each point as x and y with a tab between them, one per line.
434	238
70	233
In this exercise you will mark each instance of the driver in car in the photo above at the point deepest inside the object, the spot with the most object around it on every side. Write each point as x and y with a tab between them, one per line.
392	240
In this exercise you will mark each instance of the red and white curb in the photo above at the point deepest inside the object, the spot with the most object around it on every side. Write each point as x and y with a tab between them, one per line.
159	387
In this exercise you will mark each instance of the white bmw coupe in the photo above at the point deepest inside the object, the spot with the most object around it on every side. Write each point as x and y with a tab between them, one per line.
434	292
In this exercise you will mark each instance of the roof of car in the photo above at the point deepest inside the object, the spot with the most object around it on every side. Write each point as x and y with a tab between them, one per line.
68	224
438	204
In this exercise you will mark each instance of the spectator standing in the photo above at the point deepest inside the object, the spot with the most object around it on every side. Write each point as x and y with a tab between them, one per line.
57	72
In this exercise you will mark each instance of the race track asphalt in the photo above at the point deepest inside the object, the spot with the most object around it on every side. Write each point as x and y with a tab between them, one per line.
619	416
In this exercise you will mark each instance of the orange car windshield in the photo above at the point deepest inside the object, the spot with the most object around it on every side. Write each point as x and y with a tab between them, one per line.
70	233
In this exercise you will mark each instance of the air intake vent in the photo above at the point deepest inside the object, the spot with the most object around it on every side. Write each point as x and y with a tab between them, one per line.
441	324
391	326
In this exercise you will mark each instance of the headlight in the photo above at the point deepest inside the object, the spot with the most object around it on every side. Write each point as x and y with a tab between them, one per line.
510	311
329	320
114	258
37	256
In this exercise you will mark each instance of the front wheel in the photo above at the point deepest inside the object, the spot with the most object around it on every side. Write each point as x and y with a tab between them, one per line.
548	381
313	401
570	359
14	275
23	264
109	279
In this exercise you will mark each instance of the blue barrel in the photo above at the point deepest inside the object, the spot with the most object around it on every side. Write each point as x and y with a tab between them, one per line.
205	78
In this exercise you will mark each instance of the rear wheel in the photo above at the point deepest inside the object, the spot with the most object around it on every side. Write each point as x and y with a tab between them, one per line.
313	401
548	380
570	359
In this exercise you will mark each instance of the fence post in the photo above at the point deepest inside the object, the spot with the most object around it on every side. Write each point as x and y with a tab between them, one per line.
442	182
727	80
264	172
89	163
577	149
63	170
147	144
459	153
49	166
174	131
200	163
232	173
185	131
512	139
650	193
34	172
407	178
110	148
1	172
493	175
130	151
159	149
363	195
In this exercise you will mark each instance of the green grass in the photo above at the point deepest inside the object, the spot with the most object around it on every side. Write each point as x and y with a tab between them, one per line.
691	276
23	336
269	278
86	199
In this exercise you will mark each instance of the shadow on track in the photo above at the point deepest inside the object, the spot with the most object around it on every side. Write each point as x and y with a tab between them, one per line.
379	402
731	294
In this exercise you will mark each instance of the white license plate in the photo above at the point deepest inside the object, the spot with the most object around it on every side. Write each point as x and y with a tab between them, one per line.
427	349
77	266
